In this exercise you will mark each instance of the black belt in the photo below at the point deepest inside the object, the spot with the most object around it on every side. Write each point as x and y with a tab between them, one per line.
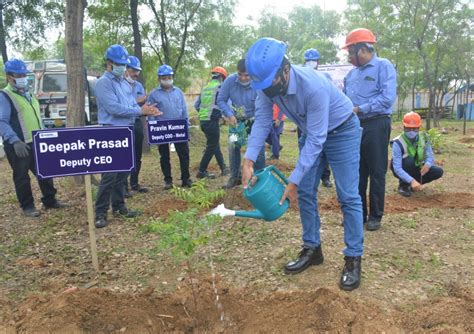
343	123
364	120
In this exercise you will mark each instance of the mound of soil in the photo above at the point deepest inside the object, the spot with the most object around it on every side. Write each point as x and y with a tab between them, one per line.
159	207
399	204
237	311
467	140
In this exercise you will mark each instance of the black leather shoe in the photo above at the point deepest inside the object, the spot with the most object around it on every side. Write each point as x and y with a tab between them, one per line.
125	213
225	171
140	189
31	212
373	224
326	183
232	182
101	222
404	190
168	185
350	278
307	257
187	183
127	194
203	175
56	205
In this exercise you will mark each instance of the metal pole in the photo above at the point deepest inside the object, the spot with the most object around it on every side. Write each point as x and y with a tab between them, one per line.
90	220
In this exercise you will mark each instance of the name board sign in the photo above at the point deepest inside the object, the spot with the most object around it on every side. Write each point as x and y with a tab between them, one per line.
337	73
85	150
167	131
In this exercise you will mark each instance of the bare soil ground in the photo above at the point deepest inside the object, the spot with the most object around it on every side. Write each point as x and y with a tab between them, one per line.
417	270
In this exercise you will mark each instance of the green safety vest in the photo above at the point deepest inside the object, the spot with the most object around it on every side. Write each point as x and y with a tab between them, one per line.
208	100
29	114
417	152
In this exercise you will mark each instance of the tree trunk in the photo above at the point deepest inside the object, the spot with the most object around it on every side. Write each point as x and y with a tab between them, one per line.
75	64
3	45
468	92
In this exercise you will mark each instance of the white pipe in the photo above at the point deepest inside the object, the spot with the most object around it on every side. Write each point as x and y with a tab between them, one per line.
222	211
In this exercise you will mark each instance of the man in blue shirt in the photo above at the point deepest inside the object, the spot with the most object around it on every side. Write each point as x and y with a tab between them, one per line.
116	106
238	90
330	132
372	88
131	75
412	157
170	101
19	116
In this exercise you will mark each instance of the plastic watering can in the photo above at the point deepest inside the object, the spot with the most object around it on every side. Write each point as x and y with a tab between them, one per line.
264	196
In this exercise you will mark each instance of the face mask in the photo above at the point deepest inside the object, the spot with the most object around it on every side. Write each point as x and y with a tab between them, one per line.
166	83
130	80
118	70
21	83
312	64
411	134
245	84
278	89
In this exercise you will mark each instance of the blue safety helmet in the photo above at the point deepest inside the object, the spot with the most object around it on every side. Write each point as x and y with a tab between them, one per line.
165	70
311	54
16	66
118	54
134	63
263	60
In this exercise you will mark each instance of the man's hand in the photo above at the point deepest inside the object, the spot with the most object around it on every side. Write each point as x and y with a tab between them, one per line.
290	193
141	99
425	169
151	110
247	173
416	186
356	110
231	120
276	123
21	149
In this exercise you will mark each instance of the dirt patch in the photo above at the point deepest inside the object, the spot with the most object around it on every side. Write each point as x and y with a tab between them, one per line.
160	207
234	199
281	165
467	140
399	204
238	311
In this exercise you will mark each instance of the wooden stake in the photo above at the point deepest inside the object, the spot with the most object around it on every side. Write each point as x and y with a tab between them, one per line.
90	219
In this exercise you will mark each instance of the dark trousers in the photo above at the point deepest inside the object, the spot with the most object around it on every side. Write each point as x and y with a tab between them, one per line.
326	171
21	179
213	148
408	165
138	133
274	139
183	154
373	164
111	189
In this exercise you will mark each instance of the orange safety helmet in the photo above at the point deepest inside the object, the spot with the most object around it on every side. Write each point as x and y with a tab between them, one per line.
359	35
220	70
412	120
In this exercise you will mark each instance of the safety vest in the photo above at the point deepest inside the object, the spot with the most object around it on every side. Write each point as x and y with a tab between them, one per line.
417	152
27	112
208	100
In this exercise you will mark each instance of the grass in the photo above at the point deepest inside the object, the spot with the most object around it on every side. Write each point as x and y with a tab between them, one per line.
408	222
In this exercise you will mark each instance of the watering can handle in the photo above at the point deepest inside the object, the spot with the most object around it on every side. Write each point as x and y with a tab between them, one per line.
280	174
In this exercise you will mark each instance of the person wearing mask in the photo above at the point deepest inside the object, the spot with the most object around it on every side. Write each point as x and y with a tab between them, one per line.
372	88
19	116
412	157
238	90
209	116
131	75
311	59
170	101
273	138
330	132
117	106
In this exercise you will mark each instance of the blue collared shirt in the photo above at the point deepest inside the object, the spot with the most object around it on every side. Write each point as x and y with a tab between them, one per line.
6	131
170	102
372	87
313	103
115	101
138	89
397	158
240	96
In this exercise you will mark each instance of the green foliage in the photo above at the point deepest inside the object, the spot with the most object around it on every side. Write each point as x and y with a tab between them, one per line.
435	138
198	195
182	232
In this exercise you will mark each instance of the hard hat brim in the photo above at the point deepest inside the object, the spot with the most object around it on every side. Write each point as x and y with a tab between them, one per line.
134	67
267	82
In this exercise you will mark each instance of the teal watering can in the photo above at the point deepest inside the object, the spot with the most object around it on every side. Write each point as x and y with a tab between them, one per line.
265	195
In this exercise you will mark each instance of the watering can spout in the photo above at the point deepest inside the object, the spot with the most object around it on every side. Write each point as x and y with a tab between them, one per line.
250	214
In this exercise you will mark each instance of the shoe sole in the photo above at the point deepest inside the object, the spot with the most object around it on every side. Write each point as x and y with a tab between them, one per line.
349	288
373	228
314	263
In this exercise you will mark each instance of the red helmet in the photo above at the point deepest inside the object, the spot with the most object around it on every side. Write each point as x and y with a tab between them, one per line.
359	35
412	120
220	70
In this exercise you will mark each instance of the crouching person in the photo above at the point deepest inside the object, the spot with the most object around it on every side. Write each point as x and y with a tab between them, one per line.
412	157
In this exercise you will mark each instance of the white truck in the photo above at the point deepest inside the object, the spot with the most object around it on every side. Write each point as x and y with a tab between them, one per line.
48	82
